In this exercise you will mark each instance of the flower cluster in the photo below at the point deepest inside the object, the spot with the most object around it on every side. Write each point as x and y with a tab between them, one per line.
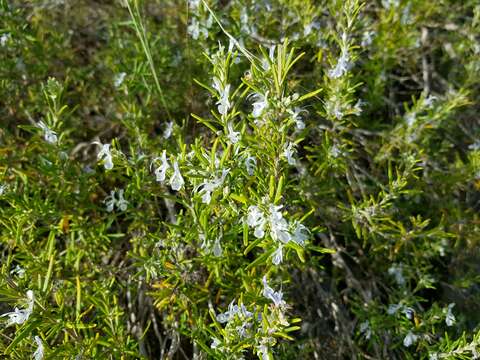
280	230
19	316
111	201
176	179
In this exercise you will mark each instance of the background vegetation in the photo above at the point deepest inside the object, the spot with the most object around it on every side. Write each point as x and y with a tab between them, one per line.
226	179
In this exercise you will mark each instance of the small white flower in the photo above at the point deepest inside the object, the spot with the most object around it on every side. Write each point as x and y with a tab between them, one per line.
217	248
168	130
429	101
410	339
161	171
242	330
271	56
277	256
233	136
38	354
122	204
176	181
260	104
110	201
433	356
3	188
278	225
118	79
343	65
215	343
450	318
397	272
289	153
475	146
250	165
105	155
194	29
4	38
299	124
367	38
49	135
393	308
389	4
224	104
256	219
18	271
365	329
269	293
206	188
410	118
263	351
19	316
229	314
300	233
408	312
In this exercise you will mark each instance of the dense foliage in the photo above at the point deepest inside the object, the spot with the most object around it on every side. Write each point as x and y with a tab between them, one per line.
226	179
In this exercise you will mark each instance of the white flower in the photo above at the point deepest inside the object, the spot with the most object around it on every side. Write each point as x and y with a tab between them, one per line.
388	4
168	130
208	187
450	318
271	56
429	101
343	65
122	204
3	188
233	136
278	225
277	256
4	38
475	146
367	38
393	308
299	124
194	4
410	339
161	171
194	29
217	248
408	312
110	201
260	104
215	343
19	316
433	356
250	164
256	219
49	135
365	329
397	272
105	155
224	104
229	314
176	181
300	233
18	271
118	79
38	354
269	293
263	350
410	118
289	153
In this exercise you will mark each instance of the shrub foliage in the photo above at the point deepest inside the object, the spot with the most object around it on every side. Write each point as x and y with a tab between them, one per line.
207	179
